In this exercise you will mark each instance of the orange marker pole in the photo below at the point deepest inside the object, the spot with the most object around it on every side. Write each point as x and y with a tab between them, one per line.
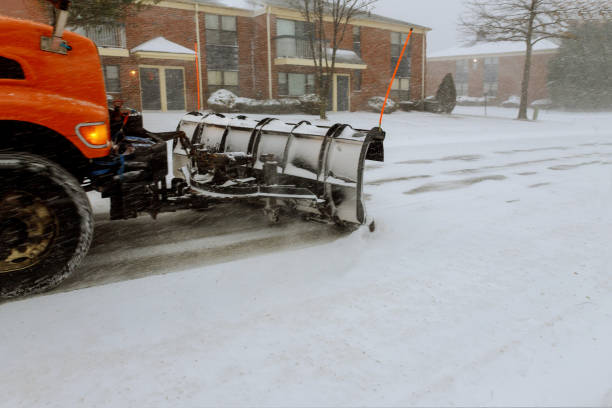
197	61
382	112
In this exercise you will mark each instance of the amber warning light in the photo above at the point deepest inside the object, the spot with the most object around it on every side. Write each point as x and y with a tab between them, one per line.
94	135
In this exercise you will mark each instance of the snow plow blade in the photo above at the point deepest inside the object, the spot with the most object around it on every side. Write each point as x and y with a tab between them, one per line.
316	170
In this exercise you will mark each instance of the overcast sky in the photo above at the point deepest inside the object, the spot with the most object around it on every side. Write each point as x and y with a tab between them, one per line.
440	15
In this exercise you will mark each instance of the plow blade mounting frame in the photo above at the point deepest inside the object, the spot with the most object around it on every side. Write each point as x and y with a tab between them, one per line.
309	168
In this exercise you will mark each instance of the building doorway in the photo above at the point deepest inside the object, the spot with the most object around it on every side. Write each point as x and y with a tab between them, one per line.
162	88
342	93
339	98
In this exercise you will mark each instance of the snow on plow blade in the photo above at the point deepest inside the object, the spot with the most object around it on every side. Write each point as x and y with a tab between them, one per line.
316	170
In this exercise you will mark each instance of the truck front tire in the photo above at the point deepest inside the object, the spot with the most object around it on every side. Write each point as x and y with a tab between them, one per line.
46	224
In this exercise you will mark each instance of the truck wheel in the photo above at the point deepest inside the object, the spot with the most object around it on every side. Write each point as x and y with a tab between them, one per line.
46	224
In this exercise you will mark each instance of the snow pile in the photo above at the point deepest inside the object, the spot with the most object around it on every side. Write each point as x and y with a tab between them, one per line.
310	104
242	101
474	100
542	103
292	103
513	101
222	100
346	56
470	100
226	101
408	106
309	98
375	104
271	103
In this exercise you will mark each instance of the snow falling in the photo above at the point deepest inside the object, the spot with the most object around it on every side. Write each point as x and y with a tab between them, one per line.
487	282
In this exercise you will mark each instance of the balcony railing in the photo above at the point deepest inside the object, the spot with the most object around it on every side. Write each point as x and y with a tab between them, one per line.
105	35
294	47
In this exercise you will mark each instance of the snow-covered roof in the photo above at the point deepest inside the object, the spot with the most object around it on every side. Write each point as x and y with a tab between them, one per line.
384	19
160	44
238	4
255	5
347	57
491	48
361	16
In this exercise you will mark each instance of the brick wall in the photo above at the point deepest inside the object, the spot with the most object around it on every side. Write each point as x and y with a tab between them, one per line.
375	52
246	56
28	9
260	57
416	79
436	70
510	76
179	26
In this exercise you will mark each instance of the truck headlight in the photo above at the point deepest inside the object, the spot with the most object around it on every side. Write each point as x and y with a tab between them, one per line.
94	135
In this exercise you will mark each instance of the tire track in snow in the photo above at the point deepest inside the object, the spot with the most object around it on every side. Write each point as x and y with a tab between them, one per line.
131	249
503	350
396	179
537	149
453	185
573	166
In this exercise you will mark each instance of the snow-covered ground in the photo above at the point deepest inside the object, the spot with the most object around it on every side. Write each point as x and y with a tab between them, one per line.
487	282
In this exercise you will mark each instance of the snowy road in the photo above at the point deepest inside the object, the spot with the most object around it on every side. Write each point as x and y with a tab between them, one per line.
131	249
487	282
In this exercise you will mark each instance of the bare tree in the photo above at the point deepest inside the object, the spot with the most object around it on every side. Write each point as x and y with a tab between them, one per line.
328	21
528	21
85	13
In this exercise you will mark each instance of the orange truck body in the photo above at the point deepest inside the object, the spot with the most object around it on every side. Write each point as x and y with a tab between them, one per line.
64	93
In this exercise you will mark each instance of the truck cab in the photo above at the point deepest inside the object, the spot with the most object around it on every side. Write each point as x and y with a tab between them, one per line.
53	121
51	99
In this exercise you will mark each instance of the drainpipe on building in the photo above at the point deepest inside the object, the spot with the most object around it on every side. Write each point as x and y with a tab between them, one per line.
423	50
269	52
197	23
253	69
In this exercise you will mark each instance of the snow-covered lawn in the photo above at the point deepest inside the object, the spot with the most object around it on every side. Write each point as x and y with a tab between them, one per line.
487	282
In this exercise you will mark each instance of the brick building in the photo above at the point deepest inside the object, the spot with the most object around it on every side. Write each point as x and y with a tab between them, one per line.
494	69
255	48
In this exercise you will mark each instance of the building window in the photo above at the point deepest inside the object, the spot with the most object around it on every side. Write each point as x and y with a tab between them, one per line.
221	30
295	84
357	40
162	88
462	77
400	89
397	43
111	78
104	35
293	38
462	88
357	80
401	85
223	80
490	89
221	53
491	73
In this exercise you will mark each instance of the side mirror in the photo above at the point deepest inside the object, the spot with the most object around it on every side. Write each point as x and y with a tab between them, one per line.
55	43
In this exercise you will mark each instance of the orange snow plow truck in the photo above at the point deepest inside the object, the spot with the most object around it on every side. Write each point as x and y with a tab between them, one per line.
58	139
